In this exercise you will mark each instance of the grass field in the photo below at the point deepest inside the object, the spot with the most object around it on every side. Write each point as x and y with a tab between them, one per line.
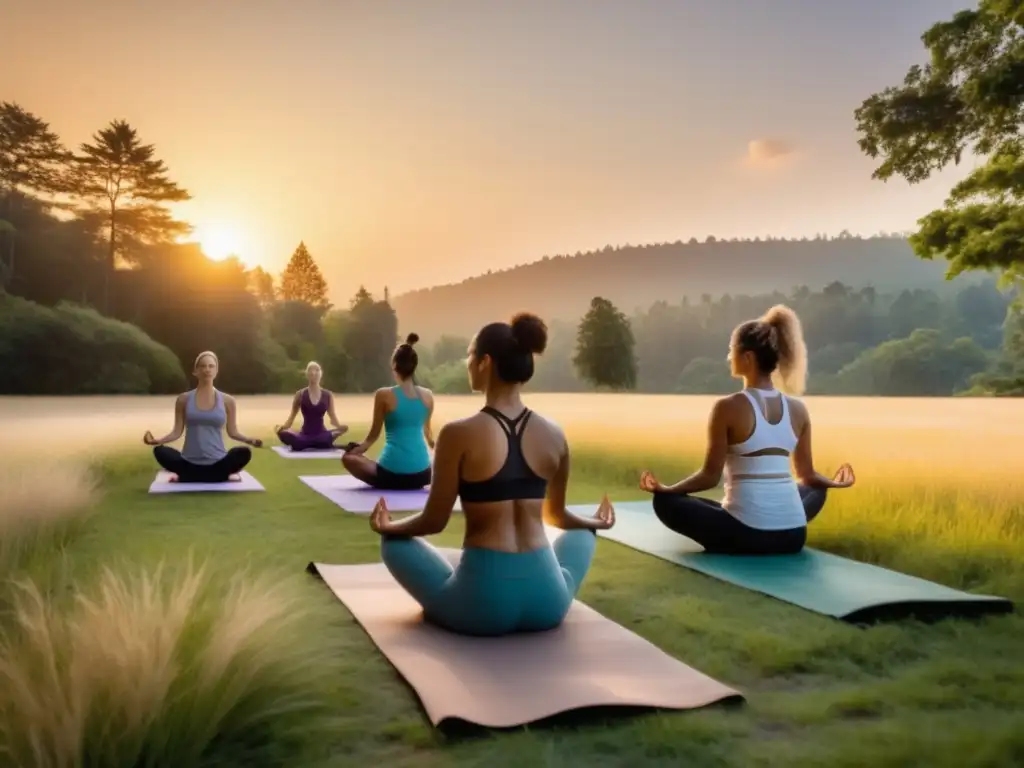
138	640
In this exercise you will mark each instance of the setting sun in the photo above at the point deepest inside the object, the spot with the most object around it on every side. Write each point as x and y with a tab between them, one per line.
219	241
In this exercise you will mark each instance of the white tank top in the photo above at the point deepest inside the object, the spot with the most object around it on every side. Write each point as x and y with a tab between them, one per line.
769	503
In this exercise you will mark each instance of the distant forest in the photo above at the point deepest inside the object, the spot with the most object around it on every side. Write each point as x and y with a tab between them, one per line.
96	297
634	277
917	342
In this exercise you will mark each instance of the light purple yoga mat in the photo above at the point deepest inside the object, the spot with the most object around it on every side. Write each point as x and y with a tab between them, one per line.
354	495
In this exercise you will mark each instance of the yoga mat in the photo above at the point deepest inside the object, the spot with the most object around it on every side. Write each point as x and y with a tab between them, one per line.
818	581
502	682
288	453
162	485
354	495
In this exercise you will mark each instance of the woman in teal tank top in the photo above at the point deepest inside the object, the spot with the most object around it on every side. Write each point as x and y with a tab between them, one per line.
403	412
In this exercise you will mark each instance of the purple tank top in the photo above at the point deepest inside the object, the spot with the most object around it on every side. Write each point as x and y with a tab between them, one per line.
313	415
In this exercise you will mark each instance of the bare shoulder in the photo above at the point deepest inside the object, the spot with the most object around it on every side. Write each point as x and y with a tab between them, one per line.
454	432
799	414
730	404
228	399
182	398
383	394
797	405
425	394
552	431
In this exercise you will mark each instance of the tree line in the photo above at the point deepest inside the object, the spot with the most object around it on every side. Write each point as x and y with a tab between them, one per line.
911	343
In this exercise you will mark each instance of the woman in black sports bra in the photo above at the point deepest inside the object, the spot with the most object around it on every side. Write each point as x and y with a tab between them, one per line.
510	467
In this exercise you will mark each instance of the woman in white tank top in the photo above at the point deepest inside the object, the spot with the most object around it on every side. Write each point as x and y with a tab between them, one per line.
753	436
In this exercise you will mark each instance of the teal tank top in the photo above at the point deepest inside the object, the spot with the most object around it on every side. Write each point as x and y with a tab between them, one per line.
405	448
204	443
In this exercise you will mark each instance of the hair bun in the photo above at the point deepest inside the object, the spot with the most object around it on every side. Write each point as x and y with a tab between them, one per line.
411	339
530	332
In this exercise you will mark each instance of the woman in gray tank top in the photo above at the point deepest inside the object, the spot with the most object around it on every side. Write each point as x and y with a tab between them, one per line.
201	414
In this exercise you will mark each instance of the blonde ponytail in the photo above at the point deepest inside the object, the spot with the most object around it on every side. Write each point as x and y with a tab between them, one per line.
791	374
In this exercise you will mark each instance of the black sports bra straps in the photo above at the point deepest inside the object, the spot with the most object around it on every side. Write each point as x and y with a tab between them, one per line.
515	479
511	427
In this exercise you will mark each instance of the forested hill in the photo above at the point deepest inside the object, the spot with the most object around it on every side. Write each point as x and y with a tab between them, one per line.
633	277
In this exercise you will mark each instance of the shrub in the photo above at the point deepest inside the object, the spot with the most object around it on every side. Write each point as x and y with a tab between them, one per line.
73	350
151	669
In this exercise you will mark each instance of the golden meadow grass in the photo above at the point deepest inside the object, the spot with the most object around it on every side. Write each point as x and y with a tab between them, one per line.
943	471
41	504
945	441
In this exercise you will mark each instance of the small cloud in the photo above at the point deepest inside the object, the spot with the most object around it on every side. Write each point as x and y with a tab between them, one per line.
765	150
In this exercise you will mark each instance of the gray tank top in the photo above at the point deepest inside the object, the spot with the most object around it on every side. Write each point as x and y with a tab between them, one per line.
204	443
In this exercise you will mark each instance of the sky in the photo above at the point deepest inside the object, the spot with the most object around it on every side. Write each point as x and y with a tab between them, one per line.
413	143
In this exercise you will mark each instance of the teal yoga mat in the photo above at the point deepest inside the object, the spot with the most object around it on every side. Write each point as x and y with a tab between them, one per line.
818	581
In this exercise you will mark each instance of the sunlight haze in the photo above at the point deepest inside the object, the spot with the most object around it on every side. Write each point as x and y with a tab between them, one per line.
410	144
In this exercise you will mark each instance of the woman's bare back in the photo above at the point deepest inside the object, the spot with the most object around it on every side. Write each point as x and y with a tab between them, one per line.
510	525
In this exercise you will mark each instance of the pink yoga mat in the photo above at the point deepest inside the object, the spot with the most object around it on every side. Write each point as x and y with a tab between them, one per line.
509	681
354	495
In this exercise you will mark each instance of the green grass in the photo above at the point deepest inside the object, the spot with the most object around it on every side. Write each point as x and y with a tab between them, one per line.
819	692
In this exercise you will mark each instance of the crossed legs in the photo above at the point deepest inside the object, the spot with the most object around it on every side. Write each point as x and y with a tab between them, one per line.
492	593
704	521
297	441
219	472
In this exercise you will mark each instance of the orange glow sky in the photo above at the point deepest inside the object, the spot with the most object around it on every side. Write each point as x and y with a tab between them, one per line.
413	143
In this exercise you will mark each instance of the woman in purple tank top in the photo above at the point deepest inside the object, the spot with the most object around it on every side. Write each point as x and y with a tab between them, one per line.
314	403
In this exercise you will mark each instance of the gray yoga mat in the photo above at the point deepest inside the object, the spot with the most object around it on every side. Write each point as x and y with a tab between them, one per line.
818	581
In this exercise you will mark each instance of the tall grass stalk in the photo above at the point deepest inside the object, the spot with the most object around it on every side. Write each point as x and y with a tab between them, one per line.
155	669
42	505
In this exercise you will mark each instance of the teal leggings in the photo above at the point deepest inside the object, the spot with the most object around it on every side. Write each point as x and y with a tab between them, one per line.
492	593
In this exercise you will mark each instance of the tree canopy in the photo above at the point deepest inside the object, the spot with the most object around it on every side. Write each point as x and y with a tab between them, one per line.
605	347
32	162
123	189
968	98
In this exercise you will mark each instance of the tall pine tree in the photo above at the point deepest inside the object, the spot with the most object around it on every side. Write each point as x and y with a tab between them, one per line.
605	354
302	281
32	165
123	191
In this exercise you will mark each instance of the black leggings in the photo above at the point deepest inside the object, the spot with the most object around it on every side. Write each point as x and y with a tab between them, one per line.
386	480
187	472
704	521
